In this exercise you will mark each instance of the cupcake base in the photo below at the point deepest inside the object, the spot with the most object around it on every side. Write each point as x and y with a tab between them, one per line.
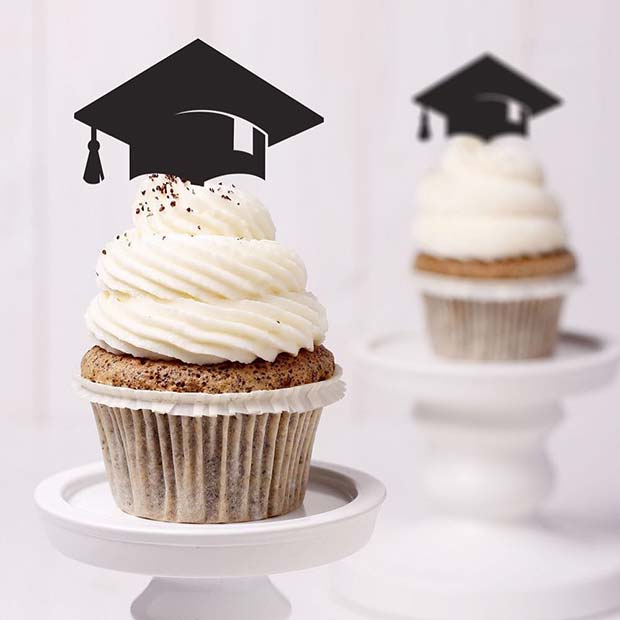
206	469
492	330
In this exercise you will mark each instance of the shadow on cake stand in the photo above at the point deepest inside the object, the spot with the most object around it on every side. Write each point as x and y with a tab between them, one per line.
210	571
487	550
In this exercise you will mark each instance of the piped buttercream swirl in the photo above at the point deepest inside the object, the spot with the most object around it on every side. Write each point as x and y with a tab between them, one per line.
487	201
201	279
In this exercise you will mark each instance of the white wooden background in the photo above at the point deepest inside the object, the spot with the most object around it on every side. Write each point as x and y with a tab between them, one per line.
341	194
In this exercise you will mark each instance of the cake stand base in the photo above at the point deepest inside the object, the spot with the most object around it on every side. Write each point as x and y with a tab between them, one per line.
454	568
207	599
210	571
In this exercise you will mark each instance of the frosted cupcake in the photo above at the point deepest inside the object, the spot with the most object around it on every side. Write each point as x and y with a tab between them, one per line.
493	264
209	377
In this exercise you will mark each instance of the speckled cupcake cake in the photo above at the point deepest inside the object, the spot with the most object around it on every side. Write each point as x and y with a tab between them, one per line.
209	376
493	262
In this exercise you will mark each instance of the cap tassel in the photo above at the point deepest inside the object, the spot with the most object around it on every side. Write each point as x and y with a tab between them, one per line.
93	173
424	131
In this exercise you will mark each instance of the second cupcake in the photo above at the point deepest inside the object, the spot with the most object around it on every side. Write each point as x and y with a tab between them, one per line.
493	262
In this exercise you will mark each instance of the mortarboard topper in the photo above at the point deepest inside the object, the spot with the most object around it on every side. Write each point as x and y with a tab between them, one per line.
183	116
485	98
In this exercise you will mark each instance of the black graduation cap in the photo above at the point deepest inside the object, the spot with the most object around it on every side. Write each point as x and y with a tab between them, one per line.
485	98
180	117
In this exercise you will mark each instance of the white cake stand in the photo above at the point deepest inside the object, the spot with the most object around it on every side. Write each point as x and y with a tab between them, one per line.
487	551
210	571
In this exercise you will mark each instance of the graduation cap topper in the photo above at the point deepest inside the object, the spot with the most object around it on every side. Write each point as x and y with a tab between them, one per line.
182	115
485	98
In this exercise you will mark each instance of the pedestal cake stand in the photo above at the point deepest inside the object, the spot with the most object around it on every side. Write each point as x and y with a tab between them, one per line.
210	571
487	550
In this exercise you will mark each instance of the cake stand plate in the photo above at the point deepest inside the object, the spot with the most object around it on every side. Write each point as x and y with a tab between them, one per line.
487	549
209	571
581	362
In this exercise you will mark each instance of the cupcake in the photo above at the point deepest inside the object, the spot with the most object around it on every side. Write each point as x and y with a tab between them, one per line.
493	263
208	377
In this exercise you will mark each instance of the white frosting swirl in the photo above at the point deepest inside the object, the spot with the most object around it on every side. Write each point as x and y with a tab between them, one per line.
165	205
200	279
487	201
203	267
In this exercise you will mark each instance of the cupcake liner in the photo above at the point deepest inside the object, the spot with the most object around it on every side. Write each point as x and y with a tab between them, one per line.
294	399
493	320
492	330
208	458
507	289
206	469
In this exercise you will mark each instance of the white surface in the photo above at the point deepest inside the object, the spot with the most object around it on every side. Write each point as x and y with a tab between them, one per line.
487	552
83	522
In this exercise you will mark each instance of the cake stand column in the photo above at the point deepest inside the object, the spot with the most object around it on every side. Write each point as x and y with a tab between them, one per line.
211	599
486	460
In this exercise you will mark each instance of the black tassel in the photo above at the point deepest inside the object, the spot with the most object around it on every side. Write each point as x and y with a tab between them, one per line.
424	131
93	173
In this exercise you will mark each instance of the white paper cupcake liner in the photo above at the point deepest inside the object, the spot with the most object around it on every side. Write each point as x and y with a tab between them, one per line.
206	469
493	330
209	458
296	399
508	289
